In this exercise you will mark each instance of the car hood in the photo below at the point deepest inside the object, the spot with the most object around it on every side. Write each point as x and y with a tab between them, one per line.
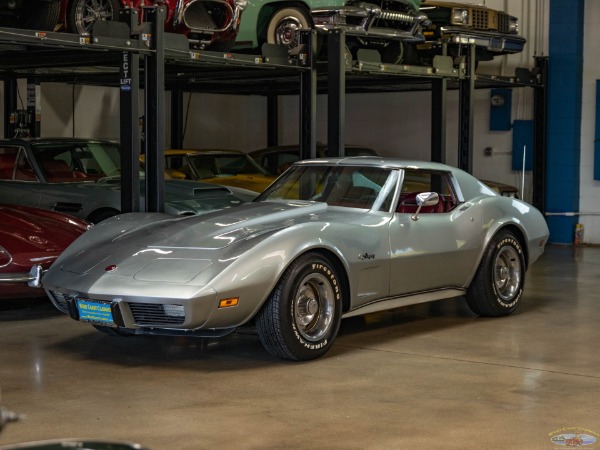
40	232
179	240
253	182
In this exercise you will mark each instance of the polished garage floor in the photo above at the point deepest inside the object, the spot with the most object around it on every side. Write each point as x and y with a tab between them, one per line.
423	377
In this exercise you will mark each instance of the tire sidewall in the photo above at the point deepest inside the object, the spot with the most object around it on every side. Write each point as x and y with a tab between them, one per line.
280	14
505	240
301	346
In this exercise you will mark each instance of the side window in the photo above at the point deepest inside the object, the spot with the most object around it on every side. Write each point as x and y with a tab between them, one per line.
14	165
417	181
8	157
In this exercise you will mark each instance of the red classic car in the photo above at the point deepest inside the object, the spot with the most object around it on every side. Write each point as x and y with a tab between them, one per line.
28	237
208	24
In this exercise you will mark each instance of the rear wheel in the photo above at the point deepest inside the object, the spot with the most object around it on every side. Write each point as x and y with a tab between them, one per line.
302	316
284	26
498	284
83	14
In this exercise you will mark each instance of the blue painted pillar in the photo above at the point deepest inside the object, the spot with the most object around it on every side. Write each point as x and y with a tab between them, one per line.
565	65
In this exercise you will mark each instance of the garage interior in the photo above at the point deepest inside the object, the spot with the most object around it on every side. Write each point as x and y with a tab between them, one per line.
425	376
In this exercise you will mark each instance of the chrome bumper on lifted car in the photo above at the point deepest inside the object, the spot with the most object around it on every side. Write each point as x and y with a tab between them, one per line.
368	19
493	42
32	278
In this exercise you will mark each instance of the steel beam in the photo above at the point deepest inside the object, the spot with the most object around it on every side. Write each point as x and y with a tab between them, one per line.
336	93
466	93
272	120
130	132
154	114
540	114
308	96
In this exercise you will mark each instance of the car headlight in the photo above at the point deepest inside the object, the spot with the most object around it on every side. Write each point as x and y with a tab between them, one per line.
513	25
460	16
5	257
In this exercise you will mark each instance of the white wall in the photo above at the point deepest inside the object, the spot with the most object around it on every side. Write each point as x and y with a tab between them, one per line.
589	203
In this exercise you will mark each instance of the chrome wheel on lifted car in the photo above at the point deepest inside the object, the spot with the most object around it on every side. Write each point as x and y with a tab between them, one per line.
84	13
31	14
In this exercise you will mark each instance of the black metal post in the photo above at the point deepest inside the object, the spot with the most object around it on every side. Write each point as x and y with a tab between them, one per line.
438	120
177	119
154	120
34	106
308	97
272	120
130	132
10	106
466	92
540	117
336	93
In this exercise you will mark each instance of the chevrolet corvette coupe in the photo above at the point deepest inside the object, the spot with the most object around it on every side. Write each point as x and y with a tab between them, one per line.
329	239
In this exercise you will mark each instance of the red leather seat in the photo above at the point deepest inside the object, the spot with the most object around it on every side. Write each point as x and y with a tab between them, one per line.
7	165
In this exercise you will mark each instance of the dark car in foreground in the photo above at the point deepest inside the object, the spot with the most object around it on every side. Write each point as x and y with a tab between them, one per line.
32	237
81	177
328	239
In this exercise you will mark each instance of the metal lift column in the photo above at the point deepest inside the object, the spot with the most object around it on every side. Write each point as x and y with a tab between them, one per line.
466	90
336	93
308	96
154	117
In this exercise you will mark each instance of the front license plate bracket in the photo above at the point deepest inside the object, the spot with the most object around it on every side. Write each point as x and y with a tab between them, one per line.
95	312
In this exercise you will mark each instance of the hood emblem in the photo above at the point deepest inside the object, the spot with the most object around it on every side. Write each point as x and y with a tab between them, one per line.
110	268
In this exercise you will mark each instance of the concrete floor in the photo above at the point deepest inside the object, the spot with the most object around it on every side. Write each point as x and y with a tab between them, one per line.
430	376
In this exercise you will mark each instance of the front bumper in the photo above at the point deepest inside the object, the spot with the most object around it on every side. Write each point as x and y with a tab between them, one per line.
362	20
490	41
32	278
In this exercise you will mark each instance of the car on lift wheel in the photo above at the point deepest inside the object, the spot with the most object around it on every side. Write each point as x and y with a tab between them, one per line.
284	25
82	14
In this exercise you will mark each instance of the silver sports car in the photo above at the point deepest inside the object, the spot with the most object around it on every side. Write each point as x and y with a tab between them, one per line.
328	239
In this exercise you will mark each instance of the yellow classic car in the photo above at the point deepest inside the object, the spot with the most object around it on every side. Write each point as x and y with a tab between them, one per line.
224	167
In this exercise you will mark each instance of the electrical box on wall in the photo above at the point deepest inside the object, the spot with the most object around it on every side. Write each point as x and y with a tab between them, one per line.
500	109
522	144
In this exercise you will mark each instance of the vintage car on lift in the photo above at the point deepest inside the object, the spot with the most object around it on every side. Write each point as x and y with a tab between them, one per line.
31	14
493	32
208	24
380	24
231	168
32	237
329	239
82	177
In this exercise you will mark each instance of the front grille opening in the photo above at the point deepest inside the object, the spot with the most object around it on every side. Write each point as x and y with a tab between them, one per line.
60	300
149	314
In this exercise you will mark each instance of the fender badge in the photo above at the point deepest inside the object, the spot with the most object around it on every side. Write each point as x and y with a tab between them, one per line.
365	256
110	268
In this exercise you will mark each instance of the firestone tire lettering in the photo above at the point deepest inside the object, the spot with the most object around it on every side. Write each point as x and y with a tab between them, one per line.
302	315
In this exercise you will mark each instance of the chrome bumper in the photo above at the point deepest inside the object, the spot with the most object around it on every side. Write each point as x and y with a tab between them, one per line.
493	42
33	278
367	14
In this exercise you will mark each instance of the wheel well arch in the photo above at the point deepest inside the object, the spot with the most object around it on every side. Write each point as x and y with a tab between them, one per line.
341	270
101	214
267	11
520	236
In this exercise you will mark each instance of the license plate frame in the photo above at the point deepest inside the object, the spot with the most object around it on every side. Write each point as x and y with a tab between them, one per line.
96	312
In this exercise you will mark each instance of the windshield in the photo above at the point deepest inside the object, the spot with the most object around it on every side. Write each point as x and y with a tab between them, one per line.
349	186
226	164
77	161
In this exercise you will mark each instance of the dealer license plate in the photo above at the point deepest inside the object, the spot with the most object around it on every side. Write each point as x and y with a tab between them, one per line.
95	312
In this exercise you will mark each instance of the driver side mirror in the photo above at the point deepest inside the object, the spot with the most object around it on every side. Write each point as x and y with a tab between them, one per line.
425	199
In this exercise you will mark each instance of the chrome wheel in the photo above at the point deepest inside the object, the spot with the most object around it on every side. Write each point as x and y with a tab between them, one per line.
87	12
284	26
507	273
314	306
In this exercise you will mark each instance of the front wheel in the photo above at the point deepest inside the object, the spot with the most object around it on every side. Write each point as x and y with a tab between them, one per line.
34	15
302	316
84	13
284	26
498	284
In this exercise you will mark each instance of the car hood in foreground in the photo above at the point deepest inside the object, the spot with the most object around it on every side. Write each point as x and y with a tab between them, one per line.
183	238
